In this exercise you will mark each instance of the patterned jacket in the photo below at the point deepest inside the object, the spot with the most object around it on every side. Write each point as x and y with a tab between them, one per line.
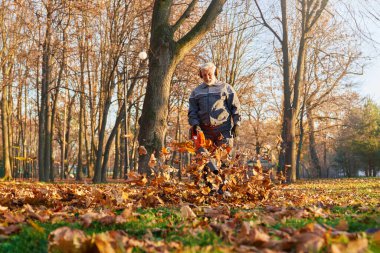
214	105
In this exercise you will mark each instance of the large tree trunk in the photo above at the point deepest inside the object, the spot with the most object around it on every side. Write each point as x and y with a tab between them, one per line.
45	113
5	128
154	114
288	126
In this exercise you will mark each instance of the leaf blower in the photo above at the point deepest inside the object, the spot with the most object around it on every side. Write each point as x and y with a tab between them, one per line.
199	141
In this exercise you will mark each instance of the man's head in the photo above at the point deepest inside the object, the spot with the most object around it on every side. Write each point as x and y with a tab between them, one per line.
208	72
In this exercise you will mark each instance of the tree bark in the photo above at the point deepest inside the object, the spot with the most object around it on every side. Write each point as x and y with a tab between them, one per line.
5	127
44	151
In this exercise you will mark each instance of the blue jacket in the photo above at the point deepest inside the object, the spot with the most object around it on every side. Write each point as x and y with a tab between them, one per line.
214	105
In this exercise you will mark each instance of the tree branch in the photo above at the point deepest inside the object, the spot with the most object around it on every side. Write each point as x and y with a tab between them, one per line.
317	14
265	23
196	33
185	15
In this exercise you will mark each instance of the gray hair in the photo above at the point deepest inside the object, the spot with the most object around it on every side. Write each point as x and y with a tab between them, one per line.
208	65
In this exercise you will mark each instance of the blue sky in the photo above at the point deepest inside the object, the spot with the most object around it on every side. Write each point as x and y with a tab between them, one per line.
369	82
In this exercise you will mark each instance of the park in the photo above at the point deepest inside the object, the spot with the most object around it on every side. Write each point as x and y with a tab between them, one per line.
189	126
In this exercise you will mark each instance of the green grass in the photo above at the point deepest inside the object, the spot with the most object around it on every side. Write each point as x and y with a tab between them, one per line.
357	221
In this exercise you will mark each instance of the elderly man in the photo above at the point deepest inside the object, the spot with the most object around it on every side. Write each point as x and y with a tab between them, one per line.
214	108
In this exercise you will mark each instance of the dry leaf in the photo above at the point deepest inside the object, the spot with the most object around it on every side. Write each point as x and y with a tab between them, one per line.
187	212
103	243
142	150
309	242
67	240
152	161
342	225
376	237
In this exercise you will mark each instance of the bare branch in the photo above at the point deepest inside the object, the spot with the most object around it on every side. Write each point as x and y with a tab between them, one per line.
185	15
265	23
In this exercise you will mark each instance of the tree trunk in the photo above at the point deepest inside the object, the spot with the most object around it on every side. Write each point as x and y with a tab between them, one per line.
44	119
312	145
82	107
300	143
288	128
107	148
5	128
116	165
63	146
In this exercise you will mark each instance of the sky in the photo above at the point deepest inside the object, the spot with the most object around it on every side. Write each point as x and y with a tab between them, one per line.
369	82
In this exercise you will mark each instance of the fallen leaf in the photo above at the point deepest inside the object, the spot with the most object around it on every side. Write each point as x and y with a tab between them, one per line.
103	243
67	240
376	237
8	230
309	242
342	225
187	213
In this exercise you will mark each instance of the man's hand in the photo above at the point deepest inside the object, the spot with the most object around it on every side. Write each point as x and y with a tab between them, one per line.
196	128
235	131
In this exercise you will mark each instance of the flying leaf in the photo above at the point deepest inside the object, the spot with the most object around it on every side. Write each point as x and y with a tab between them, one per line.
142	150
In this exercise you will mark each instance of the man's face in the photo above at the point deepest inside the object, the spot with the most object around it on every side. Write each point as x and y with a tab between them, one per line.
208	75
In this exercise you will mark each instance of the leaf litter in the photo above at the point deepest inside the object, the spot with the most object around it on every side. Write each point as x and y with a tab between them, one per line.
252	217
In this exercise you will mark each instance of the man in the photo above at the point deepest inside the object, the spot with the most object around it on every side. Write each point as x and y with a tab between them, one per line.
214	108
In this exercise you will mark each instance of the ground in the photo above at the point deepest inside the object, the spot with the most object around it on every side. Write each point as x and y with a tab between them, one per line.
332	215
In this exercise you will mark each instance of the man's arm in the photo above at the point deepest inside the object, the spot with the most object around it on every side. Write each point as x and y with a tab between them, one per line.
234	105
193	110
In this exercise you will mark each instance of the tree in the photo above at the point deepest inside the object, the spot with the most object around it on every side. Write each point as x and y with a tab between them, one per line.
366	143
327	71
358	142
310	12
12	35
164	55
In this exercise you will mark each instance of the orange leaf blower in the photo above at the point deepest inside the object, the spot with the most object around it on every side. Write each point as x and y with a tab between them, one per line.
199	139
